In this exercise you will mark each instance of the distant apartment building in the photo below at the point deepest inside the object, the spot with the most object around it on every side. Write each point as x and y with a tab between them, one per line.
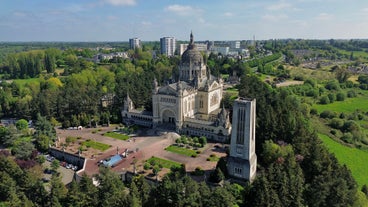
235	44
135	43
168	46
220	50
202	47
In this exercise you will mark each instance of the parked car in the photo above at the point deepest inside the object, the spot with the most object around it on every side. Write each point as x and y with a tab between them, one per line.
50	158
63	164
69	166
75	168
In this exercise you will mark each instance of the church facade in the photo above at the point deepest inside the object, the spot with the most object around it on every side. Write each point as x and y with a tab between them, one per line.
191	106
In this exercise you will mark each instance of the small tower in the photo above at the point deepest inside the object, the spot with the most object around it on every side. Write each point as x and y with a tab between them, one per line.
224	117
128	104
155	86
242	162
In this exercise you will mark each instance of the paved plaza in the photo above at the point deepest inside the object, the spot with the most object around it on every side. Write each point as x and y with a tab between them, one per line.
144	145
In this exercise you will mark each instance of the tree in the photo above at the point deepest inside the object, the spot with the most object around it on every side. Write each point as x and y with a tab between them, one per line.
21	124
58	191
216	176
55	165
23	150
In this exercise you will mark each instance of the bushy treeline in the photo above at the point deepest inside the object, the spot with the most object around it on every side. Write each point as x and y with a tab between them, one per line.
297	170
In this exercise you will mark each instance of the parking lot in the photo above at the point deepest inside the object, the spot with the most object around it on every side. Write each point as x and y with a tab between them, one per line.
66	174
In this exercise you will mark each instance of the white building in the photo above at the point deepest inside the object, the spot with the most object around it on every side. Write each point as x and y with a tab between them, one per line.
235	44
134	43
191	106
220	50
200	47
242	162
168	46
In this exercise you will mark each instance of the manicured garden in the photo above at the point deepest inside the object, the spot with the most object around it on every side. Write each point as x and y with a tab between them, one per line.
116	135
182	151
356	160
162	163
95	145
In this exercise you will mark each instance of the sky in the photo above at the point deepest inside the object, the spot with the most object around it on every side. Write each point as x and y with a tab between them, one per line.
119	20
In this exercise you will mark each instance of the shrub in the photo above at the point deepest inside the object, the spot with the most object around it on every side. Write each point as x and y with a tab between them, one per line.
146	166
327	114
313	112
347	137
333	132
351	94
198	171
331	97
332	85
194	155
324	100
336	123
340	96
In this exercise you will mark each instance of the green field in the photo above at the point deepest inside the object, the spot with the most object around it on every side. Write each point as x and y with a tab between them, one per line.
347	106
117	135
23	82
96	145
165	163
356	160
181	151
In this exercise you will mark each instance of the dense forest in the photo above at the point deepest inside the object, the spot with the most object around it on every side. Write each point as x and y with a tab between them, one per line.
63	88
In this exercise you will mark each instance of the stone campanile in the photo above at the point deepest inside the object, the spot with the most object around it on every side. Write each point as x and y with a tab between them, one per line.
242	162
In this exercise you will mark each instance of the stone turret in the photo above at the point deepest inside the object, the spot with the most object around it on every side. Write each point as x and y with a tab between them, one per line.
128	104
155	86
224	117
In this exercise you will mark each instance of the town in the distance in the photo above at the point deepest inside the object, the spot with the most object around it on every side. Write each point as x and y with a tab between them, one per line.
279	122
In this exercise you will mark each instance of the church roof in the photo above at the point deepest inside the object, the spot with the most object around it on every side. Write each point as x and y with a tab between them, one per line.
172	89
191	54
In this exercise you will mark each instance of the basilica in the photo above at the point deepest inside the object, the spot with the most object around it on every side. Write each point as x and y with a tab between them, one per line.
191	106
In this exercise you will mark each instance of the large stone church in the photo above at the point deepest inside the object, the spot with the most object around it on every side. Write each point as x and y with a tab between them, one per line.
191	106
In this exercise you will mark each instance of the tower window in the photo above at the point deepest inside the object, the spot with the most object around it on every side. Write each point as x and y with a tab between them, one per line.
237	171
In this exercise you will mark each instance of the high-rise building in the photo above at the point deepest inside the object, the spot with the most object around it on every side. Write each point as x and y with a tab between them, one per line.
168	46
242	162
134	43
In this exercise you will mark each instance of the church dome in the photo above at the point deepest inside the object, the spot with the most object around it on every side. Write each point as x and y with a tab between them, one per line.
191	54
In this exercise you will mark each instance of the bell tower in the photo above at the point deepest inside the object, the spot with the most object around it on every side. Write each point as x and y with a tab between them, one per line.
242	162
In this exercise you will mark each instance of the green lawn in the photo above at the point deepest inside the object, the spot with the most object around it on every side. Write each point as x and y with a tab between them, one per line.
117	135
181	150
356	160
165	163
23	82
347	106
96	145
213	159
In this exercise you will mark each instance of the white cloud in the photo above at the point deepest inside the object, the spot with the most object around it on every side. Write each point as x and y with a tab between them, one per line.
278	6
228	14
274	18
146	23
182	10
121	2
324	16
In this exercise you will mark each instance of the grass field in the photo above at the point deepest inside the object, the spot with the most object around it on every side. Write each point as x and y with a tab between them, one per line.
23	82
165	163
96	145
117	135
181	151
213	158
356	160
347	106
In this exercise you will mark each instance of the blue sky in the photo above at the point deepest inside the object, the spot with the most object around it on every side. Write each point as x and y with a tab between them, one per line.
119	20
